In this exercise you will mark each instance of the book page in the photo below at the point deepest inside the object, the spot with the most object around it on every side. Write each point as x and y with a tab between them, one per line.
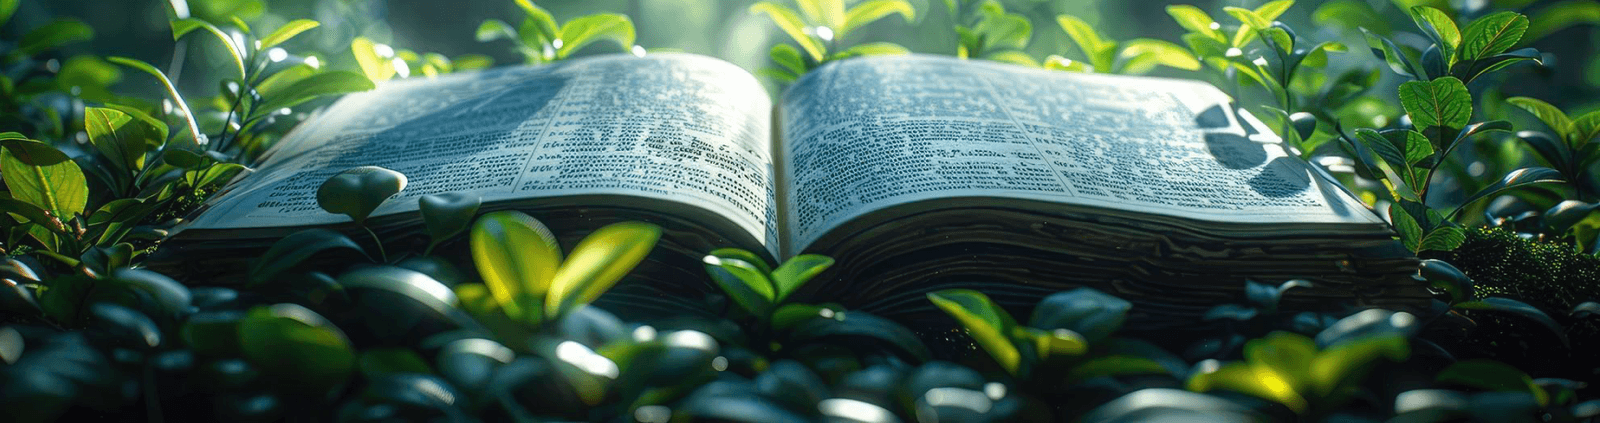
865	134
681	128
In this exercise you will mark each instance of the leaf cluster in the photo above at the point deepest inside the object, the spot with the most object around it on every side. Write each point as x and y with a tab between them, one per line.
540	39
819	28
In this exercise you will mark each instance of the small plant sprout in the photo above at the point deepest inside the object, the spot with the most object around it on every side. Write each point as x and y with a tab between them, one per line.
540	40
357	191
763	292
820	27
522	266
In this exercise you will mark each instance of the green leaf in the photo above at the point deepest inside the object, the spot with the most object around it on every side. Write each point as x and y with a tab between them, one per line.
1335	369
790	23
1114	365
1417	147
785	55
295	249
793	274
1013	57
1055	62
1468	132
588	29
185	26
194	130
1259	381
517	257
41	175
1438	25
1380	143
1101	53
1287	355
494	29
1196	21
446	215
318	85
829	13
1550	115
597	263
871	49
1443	238
287	31
117	136
985	322
297	347
1441	102
156	130
1086	311
1249	18
112	221
1492	34
743	281
380	361
1144	54
1492	375
541	19
1517	178
1391	54
1496	62
52	35
746	256
374	66
1586	128
7	8
357	191
1410	232
873	10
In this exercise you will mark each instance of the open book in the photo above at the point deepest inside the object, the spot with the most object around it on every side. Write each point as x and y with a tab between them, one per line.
915	172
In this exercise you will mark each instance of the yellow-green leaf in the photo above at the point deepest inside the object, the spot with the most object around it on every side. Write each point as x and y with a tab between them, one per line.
797	271
829	13
1440	26
542	20
376	67
1550	115
988	325
1196	21
41	175
588	29
188	116
117	136
517	257
318	85
1441	102
597	263
287	31
791	24
873	10
1491	35
1144	54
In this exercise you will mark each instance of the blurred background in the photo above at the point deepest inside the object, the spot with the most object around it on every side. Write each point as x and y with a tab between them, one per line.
726	29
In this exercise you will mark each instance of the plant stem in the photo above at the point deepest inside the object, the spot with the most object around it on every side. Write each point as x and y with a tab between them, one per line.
381	254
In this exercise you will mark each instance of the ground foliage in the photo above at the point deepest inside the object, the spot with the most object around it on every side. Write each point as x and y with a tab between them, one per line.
325	327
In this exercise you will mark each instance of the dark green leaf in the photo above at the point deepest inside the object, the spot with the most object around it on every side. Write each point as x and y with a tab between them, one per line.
1517	178
1550	115
1410	232
1443	238
185	26
1585	128
38	174
194	130
1386	148
1499	61
295	249
26	212
1087	311
380	361
1468	132
1444	277
1492	34
1491	375
792	274
357	191
446	215
1517	308
297	347
743	281
1392	55
287	31
52	35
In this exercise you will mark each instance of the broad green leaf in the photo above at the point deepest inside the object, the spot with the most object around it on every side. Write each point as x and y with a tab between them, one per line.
1005	31
583	31
89	77
597	263
52	35
1555	17
1517	178
1196	21
357	191
1143	54
117	136
1468	132
1443	238
518	258
1259	381
872	49
156	129
1492	375
1248	17
494	29
785	55
7	8
295	249
41	175
1100	52
26	212
1380	144
985	321
318	85
185	26
1086	311
744	282
1440	27
374	66
1492	34
1391	54
791	24
1550	115
1280	39
1410	232
1417	147
1287	355
1441	102
287	31
829	13
1497	62
297	347
1273	9
873	10
446	215
1585	128
284	78
113	220
746	256
541	19
793	274
194	130
1204	47
1335	369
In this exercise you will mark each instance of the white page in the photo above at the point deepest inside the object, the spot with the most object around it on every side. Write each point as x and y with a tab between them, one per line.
866	134
676	127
